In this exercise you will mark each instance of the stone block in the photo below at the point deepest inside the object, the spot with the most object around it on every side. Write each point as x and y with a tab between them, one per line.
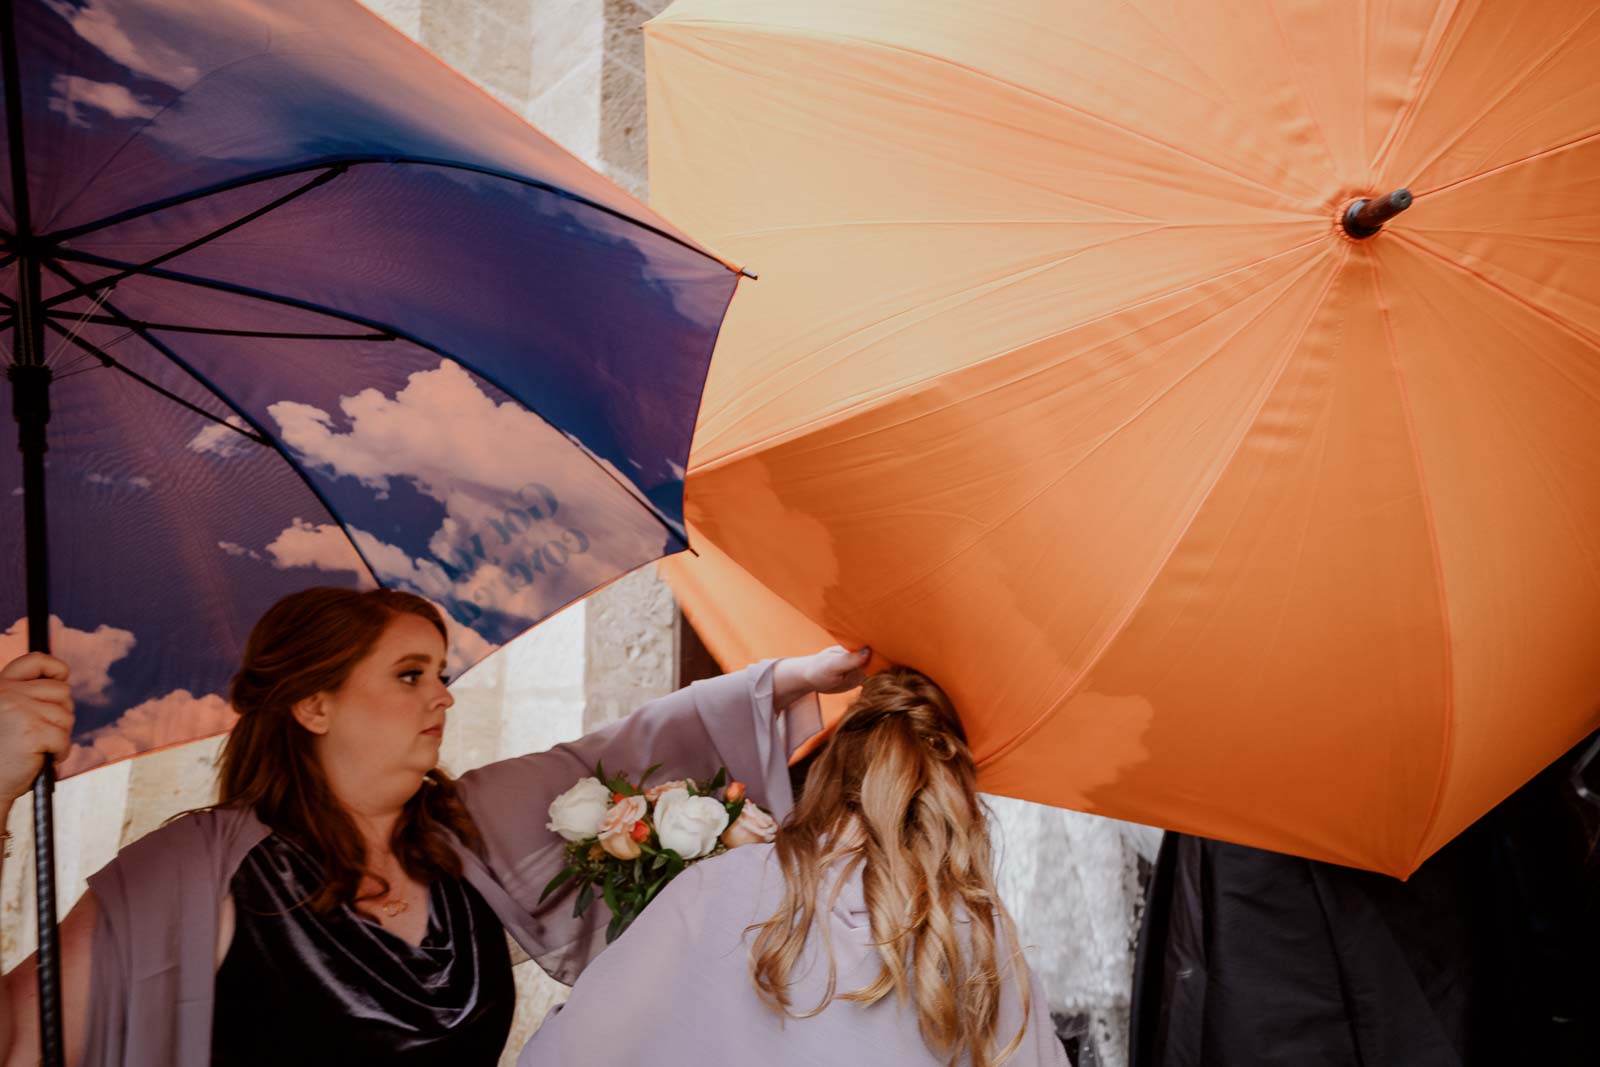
568	112
162	784
403	15
537	993
623	143
568	34
630	656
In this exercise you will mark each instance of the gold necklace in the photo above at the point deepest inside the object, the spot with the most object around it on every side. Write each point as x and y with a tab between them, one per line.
392	906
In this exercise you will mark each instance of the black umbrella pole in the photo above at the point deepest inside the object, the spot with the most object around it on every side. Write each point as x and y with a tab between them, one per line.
30	395
30	404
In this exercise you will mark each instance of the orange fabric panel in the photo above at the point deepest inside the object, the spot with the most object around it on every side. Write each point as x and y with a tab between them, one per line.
741	621
1062	382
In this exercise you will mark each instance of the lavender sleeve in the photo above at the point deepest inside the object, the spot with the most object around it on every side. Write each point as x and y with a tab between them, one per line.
727	721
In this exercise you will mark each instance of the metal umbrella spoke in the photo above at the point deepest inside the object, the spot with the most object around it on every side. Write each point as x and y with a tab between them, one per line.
188	246
395	333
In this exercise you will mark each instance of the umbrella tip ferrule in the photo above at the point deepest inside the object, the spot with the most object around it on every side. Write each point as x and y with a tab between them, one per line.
1364	218
748	273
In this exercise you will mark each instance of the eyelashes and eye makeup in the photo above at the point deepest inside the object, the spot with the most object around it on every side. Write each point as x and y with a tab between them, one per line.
414	675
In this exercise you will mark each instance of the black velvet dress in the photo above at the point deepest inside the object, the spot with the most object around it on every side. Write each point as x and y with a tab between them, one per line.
302	989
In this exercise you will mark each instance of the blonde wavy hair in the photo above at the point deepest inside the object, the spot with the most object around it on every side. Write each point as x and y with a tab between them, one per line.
894	793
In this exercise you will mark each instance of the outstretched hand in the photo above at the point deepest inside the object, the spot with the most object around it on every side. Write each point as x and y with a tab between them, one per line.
836	669
35	719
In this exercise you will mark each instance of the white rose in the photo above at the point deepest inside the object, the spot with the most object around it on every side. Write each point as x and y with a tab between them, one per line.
576	814
689	825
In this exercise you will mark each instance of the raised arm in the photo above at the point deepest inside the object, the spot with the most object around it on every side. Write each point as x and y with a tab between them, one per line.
731	721
35	719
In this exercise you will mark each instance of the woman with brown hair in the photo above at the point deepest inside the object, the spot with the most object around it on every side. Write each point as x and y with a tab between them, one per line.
343	902
868	932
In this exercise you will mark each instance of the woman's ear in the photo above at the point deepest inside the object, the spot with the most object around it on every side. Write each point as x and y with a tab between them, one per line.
312	713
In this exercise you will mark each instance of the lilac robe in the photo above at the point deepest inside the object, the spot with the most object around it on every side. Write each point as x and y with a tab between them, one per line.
153	973
675	990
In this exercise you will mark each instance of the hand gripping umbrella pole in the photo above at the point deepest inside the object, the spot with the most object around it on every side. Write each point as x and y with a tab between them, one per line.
30	393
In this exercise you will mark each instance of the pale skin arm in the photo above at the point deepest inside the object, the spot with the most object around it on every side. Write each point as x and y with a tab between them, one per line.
35	719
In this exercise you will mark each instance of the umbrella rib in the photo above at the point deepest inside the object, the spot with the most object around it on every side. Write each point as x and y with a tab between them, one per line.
112	364
887	46
1521	161
398	334
217	331
1423	79
1435	808
266	437
1570	329
1516	84
1127	618
365	160
142	268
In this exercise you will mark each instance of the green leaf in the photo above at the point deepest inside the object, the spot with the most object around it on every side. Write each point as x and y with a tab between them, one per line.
638	868
600	770
609	892
585	898
645	777
734	809
717	782
614	929
556	882
659	862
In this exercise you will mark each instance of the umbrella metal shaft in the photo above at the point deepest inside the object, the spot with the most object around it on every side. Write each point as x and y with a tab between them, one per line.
1365	218
30	406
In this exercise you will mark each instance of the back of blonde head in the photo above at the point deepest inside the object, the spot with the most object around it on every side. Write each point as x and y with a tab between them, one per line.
894	793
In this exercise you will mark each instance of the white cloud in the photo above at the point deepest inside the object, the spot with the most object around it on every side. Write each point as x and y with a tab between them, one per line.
110	479
324	547
321	546
233	549
528	522
152	57
89	654
218	440
71	94
179	716
437	428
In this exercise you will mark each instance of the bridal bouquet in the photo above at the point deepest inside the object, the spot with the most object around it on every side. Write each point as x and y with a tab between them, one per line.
625	842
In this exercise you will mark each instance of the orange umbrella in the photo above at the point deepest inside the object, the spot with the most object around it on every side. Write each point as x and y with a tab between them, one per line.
1066	381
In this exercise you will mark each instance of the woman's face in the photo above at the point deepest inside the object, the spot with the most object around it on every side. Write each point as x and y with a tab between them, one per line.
381	729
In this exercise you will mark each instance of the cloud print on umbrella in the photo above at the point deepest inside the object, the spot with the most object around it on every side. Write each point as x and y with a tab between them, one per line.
91	653
324	547
177	717
508	548
305	241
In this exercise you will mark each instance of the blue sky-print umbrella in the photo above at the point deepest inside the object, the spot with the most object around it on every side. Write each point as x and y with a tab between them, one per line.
303	306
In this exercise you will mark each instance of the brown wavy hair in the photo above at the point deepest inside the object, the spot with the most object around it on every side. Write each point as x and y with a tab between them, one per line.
308	643
894	793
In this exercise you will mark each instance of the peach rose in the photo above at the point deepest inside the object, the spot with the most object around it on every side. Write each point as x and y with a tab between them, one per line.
654	792
752	827
735	793
616	828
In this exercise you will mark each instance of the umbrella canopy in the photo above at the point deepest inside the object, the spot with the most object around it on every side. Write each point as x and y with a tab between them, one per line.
1067	382
317	310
